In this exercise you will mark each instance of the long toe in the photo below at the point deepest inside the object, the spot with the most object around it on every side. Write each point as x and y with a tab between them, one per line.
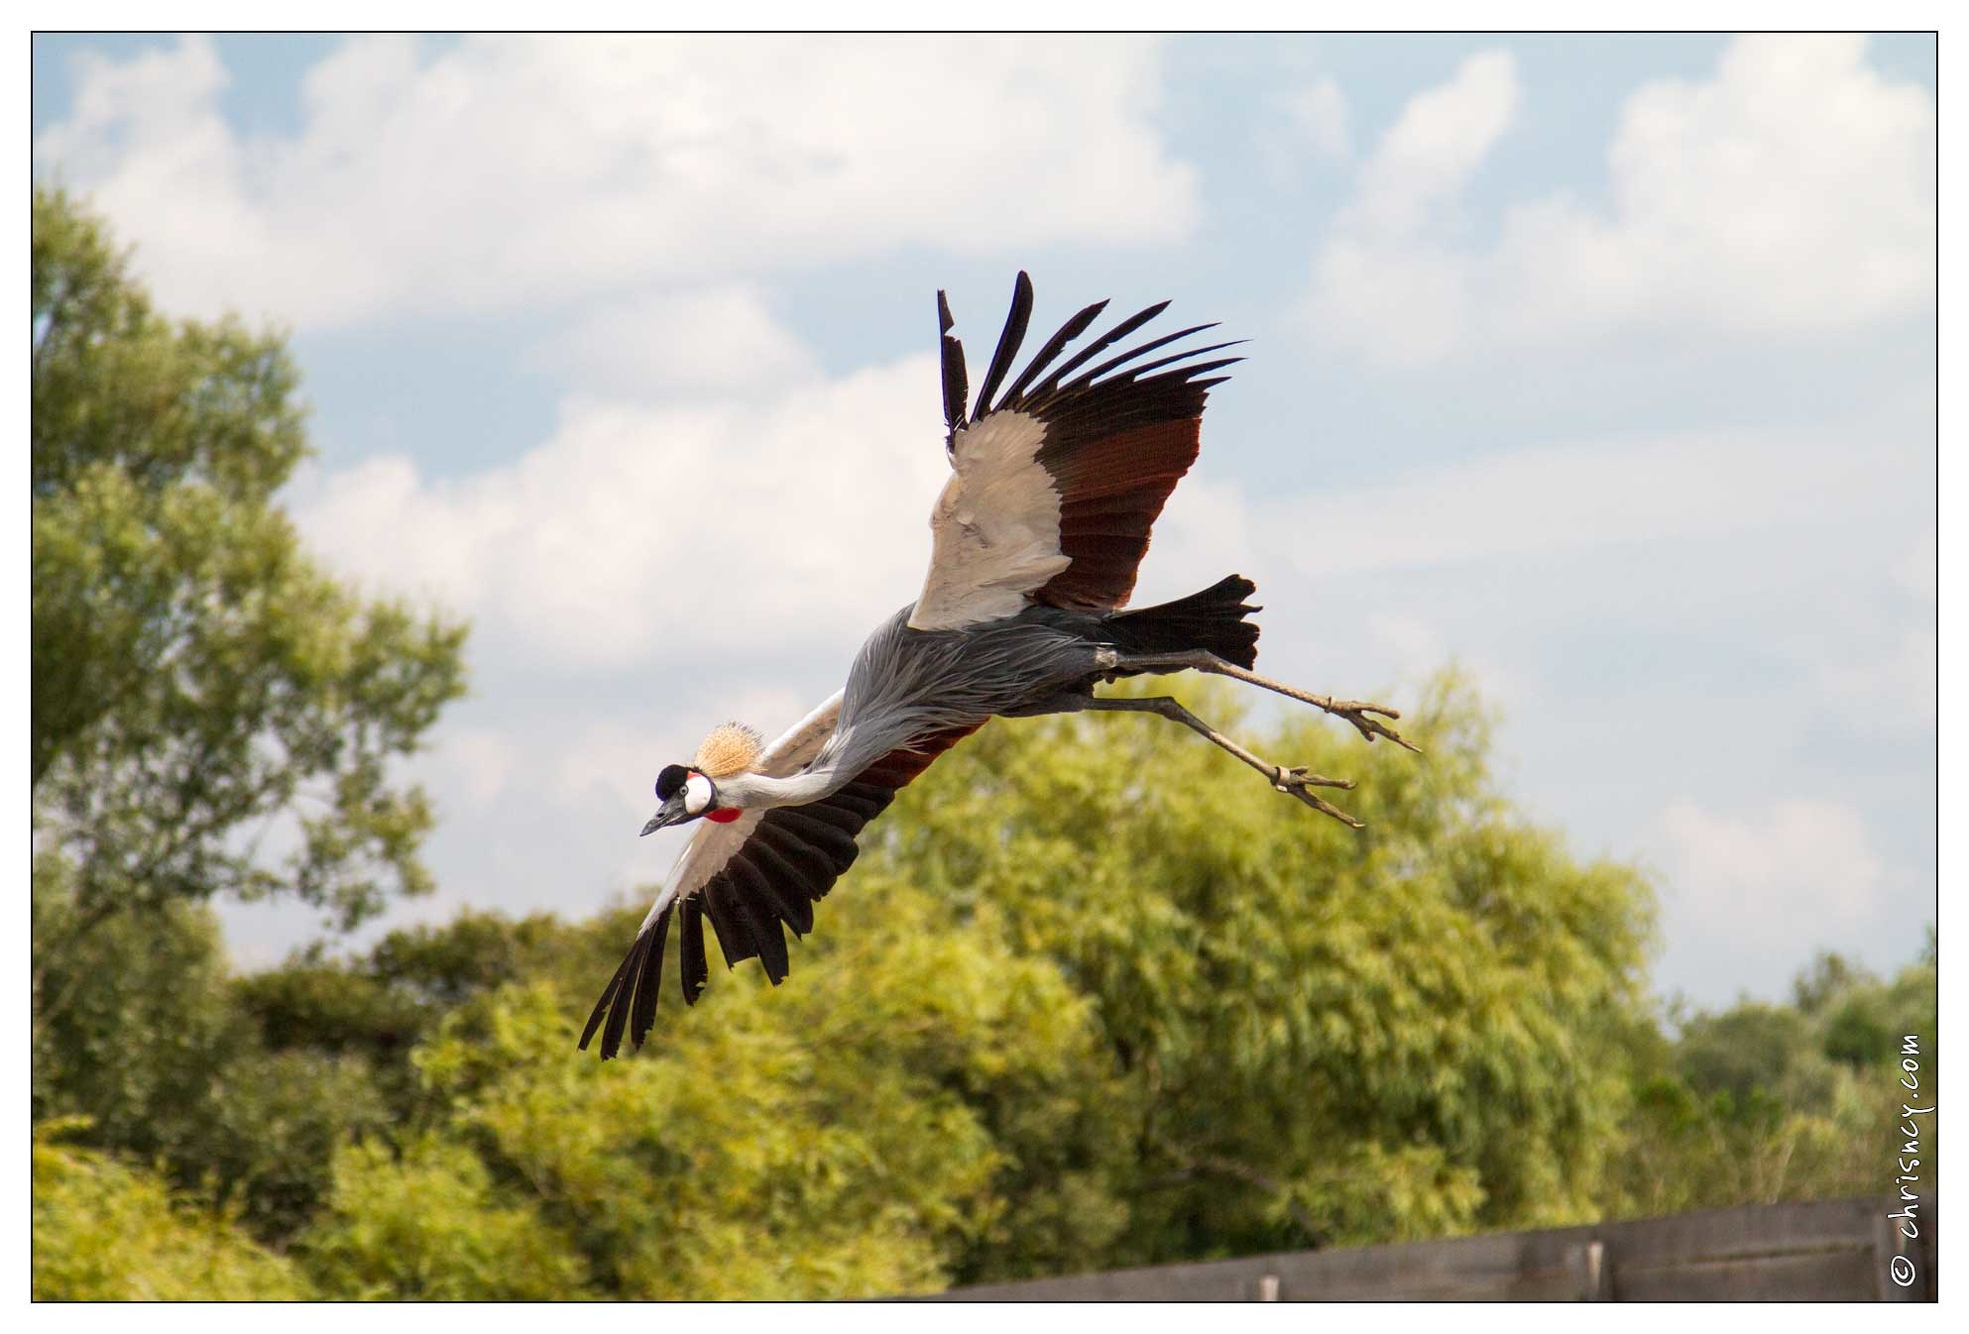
1370	727
1325	807
1302	777
1299	782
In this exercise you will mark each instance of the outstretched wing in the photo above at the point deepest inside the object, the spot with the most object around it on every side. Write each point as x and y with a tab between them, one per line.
1056	485
752	877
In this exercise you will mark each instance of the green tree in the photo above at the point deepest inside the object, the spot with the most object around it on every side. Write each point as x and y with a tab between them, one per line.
155	1052
201	691
1760	1103
429	1224
825	1140
105	1232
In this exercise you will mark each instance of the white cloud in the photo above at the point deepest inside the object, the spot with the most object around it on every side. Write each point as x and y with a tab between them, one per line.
1917	570
1400	304
1381	281
500	171
1408	640
479	761
1439	140
1879	671
718	339
1560	498
639	530
1318	112
1792	193
1884	689
1788	874
611	767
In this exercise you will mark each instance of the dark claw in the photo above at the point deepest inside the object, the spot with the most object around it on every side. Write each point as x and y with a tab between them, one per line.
1359	714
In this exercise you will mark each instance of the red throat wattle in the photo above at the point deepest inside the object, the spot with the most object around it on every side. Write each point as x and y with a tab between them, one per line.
722	816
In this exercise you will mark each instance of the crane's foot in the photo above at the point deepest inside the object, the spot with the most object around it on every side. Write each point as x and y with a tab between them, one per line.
1297	782
1362	715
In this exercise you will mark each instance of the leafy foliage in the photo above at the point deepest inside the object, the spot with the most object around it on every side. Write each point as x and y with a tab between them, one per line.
105	1232
428	1225
151	1048
1763	1103
814	1142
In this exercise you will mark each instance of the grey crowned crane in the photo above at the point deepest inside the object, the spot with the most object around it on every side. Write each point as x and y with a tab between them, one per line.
1054	486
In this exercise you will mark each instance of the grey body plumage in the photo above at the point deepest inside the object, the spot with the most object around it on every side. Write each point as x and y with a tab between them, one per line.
907	684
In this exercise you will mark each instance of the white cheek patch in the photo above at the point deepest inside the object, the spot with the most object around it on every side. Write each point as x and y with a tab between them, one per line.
697	794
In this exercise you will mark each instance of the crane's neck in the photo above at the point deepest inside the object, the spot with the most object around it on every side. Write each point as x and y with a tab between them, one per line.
847	753
755	792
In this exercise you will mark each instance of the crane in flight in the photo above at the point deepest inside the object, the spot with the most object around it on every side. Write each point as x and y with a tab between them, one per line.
1054	486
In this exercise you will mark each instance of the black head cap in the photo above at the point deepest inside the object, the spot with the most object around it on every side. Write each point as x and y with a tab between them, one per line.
671	781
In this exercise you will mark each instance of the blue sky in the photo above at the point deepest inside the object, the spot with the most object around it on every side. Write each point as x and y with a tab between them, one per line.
1602	366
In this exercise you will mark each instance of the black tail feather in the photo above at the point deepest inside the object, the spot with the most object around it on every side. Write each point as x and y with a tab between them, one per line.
1213	620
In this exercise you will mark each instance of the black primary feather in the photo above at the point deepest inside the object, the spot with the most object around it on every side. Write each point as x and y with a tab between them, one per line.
956	384
1105	341
1140	350
1008	343
643	1016
1194	368
692	972
754	905
619	1012
608	994
1069	331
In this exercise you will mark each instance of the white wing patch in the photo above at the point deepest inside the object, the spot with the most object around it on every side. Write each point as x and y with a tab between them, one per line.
995	528
796	749
714	844
709	849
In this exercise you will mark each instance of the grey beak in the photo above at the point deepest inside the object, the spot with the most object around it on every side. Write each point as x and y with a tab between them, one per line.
672	812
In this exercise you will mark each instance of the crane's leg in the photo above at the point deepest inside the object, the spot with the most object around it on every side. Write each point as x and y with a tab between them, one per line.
1293	782
1357	712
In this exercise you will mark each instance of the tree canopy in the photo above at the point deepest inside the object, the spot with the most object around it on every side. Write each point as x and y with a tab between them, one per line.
106	1232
